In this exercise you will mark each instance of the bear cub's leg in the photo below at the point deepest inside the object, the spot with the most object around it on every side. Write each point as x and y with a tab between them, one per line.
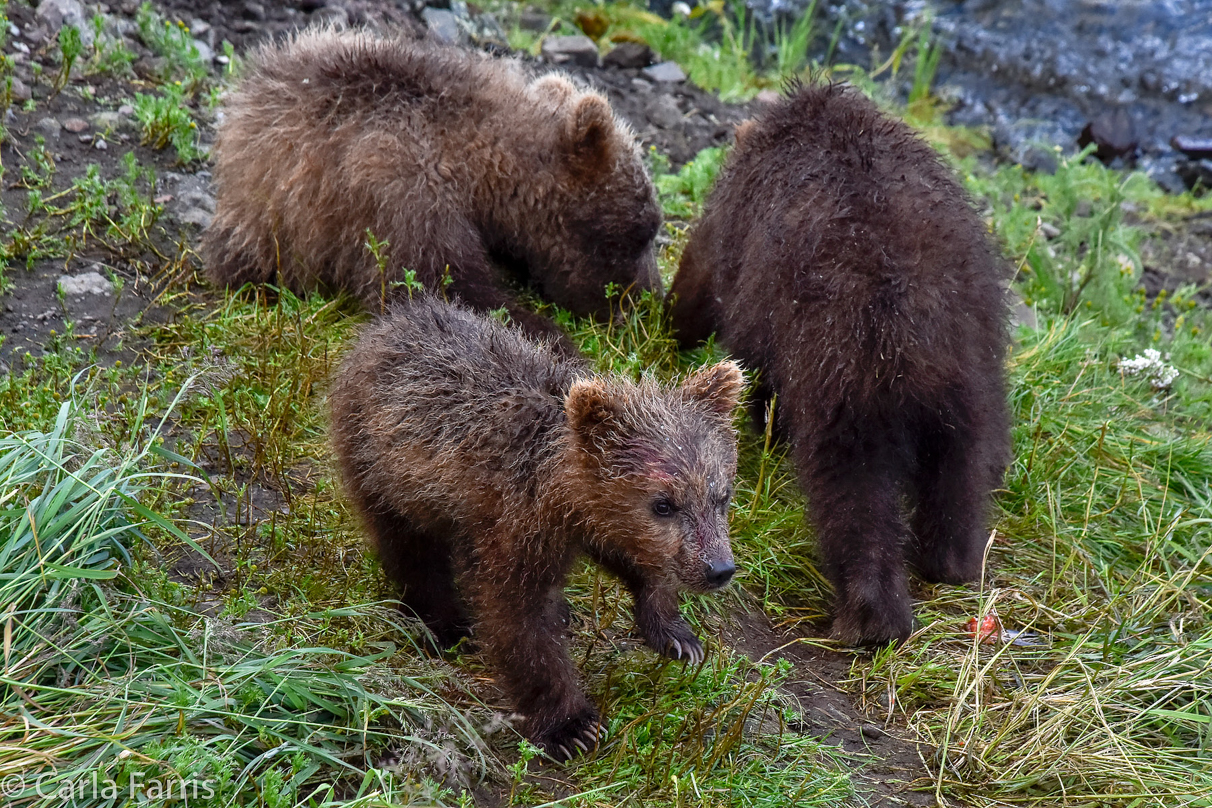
853	488
952	484
520	625
657	616
419	563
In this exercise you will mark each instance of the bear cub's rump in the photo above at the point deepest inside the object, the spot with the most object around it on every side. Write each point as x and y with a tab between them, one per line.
464	166
482	463
840	258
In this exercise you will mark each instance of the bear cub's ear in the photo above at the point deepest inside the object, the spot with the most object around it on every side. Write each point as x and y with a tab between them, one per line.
743	131
589	407
718	386
589	135
553	87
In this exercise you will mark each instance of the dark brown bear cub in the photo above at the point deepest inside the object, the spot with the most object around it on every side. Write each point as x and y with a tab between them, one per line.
482	463
464	166
839	257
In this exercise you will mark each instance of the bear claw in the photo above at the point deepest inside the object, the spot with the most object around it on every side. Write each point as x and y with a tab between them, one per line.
692	652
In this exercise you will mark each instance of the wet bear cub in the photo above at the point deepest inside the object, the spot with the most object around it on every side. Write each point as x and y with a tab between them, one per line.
474	175
839	257
482	463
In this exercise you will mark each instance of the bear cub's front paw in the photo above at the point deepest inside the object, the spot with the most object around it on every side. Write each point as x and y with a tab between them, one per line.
563	738
674	639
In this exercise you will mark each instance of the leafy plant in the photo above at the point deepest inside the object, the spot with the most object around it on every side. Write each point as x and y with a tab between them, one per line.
166	121
70	48
172	41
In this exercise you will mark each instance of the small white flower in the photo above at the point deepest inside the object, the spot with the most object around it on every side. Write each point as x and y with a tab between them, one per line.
1150	365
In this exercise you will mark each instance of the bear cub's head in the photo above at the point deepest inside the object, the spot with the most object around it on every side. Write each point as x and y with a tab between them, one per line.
608	210
660	464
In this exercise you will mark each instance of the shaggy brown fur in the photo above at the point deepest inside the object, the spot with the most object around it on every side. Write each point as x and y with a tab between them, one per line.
483	463
839	256
454	158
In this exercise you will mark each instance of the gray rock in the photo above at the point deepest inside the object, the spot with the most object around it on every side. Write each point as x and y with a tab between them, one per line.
331	15
192	201
87	283
444	25
667	72
49	127
768	97
1195	172
663	112
534	21
196	216
629	55
1020	313
253	10
107	121
485	28
100	144
75	125
57	13
577	50
205	52
198	28
21	90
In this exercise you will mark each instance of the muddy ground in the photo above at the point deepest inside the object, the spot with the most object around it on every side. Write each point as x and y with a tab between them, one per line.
677	118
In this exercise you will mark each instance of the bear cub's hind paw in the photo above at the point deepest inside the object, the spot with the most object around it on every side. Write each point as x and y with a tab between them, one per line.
578	734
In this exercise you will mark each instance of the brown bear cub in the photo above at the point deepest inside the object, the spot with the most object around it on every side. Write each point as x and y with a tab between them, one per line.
468	170
839	257
482	463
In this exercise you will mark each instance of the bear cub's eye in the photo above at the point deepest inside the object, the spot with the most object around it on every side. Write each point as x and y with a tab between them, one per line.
663	507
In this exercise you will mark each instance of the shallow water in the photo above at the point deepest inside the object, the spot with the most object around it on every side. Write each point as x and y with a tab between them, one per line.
1040	70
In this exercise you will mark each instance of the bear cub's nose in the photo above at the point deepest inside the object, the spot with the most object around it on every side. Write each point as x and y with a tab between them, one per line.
719	573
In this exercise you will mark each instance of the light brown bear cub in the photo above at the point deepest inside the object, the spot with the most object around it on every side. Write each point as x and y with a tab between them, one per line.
483	463
468	169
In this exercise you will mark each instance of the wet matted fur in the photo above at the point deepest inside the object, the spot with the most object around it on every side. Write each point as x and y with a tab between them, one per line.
465	166
839	257
482	463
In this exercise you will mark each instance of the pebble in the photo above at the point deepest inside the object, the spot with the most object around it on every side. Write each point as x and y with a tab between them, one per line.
629	55
1195	172
768	97
872	732
668	72
106	121
253	11
205	52
1198	148
576	50
126	109
198	27
75	125
49	127
100	145
663	112
87	283
534	21
443	24
21	90
58	13
1113	133
332	15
